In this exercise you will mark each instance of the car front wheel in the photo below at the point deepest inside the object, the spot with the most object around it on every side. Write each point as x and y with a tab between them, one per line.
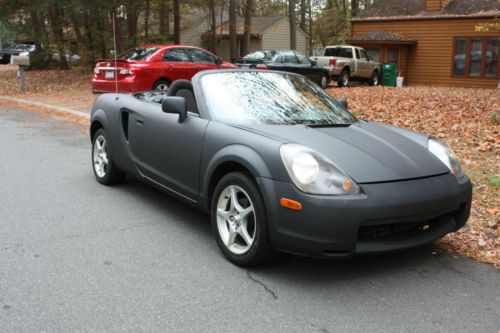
239	221
105	170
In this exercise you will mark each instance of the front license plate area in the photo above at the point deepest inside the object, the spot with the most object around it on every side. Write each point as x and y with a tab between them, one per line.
109	74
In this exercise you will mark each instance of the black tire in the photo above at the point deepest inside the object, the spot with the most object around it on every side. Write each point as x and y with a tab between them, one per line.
344	78
162	85
323	82
112	175
374	79
260	251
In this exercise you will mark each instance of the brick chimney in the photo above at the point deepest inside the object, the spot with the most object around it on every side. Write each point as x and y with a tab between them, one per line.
434	5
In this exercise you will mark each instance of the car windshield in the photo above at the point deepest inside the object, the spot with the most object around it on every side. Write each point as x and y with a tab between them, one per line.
270	98
21	47
138	53
260	55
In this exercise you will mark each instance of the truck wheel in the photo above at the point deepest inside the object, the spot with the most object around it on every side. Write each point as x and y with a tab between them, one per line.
374	79
323	83
344	78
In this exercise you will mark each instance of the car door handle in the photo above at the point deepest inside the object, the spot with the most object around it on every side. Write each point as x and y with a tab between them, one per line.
139	122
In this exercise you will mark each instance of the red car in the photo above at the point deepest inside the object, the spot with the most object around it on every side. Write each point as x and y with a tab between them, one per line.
152	67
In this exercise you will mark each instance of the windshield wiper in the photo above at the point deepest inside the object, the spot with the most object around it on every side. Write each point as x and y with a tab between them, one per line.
327	125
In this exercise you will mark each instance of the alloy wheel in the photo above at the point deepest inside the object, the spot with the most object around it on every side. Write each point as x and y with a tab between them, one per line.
100	156
324	82
162	87
345	79
236	219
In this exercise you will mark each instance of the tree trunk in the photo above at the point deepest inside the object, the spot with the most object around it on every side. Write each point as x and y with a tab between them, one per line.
233	41
310	28
165	19
177	22
132	16
293	25
213	25
303	9
88	37
146	21
354	8
245	49
118	32
55	15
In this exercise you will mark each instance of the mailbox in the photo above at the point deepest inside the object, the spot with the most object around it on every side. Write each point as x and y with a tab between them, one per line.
20	60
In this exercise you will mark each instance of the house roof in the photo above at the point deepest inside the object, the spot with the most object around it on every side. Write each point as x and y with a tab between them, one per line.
411	9
382	36
259	25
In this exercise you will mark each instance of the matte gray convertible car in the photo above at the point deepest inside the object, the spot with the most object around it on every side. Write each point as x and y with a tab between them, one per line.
281	166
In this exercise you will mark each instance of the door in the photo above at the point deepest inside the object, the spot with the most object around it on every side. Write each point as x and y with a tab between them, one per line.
364	66
165	151
203	60
286	61
306	68
178	64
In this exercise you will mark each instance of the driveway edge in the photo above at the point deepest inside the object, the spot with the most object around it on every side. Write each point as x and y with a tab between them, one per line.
55	108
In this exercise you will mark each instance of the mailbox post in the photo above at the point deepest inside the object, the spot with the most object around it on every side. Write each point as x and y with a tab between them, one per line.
22	62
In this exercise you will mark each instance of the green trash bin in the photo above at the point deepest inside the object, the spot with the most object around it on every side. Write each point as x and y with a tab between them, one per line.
389	74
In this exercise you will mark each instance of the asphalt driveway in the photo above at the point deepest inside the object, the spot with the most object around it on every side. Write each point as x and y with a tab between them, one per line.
78	256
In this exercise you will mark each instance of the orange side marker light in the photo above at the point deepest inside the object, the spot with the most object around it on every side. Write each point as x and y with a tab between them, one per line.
290	204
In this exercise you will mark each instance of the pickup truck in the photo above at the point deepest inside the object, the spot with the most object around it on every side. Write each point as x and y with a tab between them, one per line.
347	63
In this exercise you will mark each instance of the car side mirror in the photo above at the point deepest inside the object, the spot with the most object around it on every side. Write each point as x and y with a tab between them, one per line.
343	102
220	61
370	59
314	62
175	104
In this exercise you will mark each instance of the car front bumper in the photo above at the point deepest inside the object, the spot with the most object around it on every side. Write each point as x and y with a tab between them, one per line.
385	217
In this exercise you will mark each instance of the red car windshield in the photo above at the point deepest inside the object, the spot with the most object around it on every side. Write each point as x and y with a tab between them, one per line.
138	53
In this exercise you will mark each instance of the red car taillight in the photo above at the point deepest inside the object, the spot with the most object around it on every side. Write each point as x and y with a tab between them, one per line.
126	71
332	62
261	66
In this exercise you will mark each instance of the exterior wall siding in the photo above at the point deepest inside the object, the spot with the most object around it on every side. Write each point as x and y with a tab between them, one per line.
278	37
430	61
192	35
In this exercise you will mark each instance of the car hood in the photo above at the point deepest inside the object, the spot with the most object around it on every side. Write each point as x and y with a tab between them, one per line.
13	51
368	152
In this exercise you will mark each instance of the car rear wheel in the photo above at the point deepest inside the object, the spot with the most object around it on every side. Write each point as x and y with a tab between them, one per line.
239	221
344	78
374	79
161	85
105	170
324	81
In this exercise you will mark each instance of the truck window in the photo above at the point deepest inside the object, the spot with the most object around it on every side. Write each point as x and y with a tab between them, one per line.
346	53
364	56
357	54
332	52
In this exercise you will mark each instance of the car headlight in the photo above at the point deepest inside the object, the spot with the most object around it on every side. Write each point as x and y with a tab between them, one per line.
24	54
314	173
442	151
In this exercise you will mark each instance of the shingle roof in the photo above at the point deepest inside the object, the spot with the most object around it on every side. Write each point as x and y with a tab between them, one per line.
416	8
259	25
382	35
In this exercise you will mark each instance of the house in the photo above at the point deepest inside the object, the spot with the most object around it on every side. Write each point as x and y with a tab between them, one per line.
267	32
434	42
